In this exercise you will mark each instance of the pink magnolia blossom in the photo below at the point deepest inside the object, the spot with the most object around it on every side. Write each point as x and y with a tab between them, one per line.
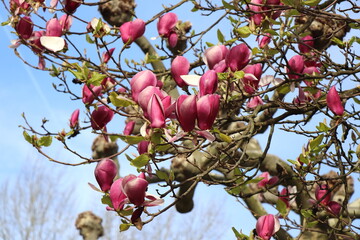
180	66
323	194
306	44
130	31
254	102
74	119
140	81
166	24
24	27
267	180
238	57
285	197
208	83
35	41
156	112
19	6
88	96
333	101
100	117
295	65
252	77
145	95
129	128
207	108
105	172
312	71
267	226
169	106
334	208
117	196
186	112
107	55
256	16
53	28
41	63
214	55
65	22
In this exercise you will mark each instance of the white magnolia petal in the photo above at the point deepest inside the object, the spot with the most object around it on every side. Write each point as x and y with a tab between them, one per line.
266	80
276	225
207	135
250	75
143	129
54	44
277	81
191	80
15	43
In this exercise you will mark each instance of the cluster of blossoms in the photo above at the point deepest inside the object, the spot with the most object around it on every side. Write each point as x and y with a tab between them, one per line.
122	191
323	200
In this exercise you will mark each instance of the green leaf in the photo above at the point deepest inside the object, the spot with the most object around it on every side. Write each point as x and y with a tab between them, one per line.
322	127
209	44
132	139
306	213
27	137
127	212
235	190
315	143
96	79
337	41
77	75
303	159
227	5
288	3
106	200
311	224
156	137
89	39
162	175
311	3
140	161
272	32
356	100
120	101
239	74
281	207
239	236
45	141
225	138
244	32
220	36
124	227
294	162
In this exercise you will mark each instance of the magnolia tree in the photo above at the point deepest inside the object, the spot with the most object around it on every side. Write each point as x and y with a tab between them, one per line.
193	107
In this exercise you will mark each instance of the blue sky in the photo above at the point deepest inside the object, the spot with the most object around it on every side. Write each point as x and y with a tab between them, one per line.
27	90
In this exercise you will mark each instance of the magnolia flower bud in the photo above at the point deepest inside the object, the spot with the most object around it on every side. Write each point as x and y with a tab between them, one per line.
70	6
323	194
267	226
129	127
130	31
143	147
145	95
35	41
140	81
156	112
105	172
24	27
107	55
334	103
306	44
135	189
179	66
117	196
208	83
214	55
295	65
254	102
186	112
265	40
74	119
100	117
88	96
238	57
207	109
166	24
